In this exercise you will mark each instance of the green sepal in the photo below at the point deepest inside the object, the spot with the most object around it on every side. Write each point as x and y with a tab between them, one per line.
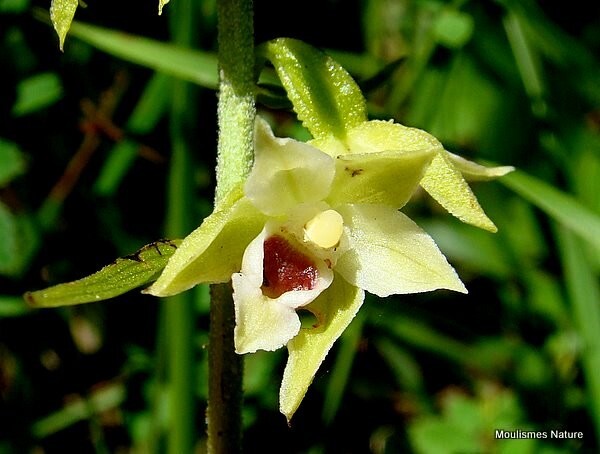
212	252
325	97
123	275
334	309
61	15
445	183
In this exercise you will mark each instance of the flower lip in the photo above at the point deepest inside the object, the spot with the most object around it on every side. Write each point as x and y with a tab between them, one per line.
285	268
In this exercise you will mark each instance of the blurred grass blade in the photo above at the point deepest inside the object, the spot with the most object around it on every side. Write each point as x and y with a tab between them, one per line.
124	274
187	64
100	401
405	369
12	306
420	335
584	294
148	111
562	207
348	345
527	59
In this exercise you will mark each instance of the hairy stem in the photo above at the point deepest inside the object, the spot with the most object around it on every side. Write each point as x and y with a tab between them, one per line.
236	113
236	109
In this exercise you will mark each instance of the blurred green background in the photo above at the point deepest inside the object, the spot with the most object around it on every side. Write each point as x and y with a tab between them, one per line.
111	145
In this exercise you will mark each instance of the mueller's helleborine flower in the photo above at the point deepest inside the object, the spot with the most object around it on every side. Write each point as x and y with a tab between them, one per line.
313	231
330	219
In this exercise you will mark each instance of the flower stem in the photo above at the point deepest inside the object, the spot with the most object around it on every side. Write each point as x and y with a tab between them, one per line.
225	376
236	109
236	113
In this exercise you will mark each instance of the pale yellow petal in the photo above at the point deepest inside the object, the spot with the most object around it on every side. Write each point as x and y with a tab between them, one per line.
390	254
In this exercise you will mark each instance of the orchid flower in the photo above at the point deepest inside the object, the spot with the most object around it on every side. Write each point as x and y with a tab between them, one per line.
311	231
317	224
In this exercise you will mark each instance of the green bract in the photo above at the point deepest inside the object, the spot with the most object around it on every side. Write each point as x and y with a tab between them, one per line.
324	95
304	212
124	274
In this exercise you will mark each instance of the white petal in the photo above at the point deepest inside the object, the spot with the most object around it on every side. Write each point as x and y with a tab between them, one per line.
264	323
261	323
286	172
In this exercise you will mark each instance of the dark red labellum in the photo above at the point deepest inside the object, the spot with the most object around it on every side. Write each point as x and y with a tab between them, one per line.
285	268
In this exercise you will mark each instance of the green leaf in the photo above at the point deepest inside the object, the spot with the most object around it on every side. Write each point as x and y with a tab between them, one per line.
562	207
334	309
37	92
187	64
325	97
475	250
402	364
467	424
411	331
444	182
61	15
526	56
12	163
124	274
